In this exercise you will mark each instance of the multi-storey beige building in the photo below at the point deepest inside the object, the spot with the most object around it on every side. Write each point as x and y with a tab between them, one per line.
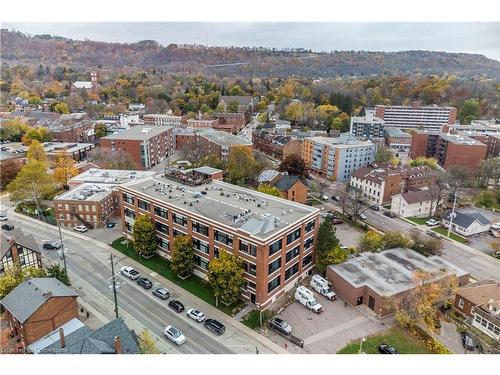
274	237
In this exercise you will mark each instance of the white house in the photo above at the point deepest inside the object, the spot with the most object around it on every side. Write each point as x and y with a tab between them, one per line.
87	85
414	203
466	224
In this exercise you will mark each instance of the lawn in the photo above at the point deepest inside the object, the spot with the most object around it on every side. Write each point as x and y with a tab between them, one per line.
396	337
252	319
194	284
418	220
453	236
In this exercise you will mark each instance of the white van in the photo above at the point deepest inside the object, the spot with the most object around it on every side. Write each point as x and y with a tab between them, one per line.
306	297
321	286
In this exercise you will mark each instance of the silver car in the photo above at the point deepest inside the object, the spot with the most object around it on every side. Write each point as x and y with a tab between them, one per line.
174	335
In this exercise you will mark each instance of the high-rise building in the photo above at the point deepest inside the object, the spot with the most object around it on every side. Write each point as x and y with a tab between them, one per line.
368	126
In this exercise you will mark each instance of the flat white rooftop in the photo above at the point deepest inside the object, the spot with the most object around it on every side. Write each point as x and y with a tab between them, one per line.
110	176
86	193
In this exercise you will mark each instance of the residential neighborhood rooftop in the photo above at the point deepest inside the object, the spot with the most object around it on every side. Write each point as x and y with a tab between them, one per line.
86	192
110	176
464	220
396	132
139	132
345	140
224	139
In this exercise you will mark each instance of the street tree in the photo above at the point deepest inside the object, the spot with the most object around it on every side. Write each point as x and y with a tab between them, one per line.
371	241
15	276
59	273
326	242
147	343
495	246
294	165
354	202
425	245
225	276
182	261
65	168
36	152
393	239
144	236
268	189
32	182
242	165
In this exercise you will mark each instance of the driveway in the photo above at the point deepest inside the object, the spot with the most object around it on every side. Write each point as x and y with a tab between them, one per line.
330	331
348	235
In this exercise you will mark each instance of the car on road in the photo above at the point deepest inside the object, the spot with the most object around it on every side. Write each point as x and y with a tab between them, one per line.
328	214
161	293
3	217
467	341
432	222
335	198
145	282
52	245
174	335
389	214
432	233
324	197
280	325
196	315
110	224
215	326
375	208
363	216
336	221
81	228
7	226
130	272
176	305
386	349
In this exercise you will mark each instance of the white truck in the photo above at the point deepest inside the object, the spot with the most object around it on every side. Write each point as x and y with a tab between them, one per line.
306	297
320	285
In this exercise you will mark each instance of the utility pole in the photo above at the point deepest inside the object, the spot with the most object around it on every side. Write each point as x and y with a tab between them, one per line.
452	215
114	284
400	198
62	247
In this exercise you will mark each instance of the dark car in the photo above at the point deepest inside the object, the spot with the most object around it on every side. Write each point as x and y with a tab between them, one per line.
336	221
7	226
215	326
375	208
145	282
467	342
280	325
335	198
176	305
52	245
386	349
110	224
161	293
389	214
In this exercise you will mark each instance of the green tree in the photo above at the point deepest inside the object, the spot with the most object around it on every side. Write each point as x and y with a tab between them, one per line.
335	255
36	152
233	107
371	241
225	276
61	108
394	239
294	165
59	273
430	162
326	242
147	343
383	155
100	130
241	165
295	112
15	276
32	182
182	261
268	189
144	236
471	110
34	100
235	90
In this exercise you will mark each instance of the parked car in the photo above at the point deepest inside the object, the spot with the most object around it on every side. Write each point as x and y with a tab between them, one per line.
215	326
196	315
52	245
336	221
280	325
161	293
130	272
467	341
335	198
145	282
324	197
375	208
328	214
7	226
3	217
386	349
174	335
432	222
432	233
362	216
320	285
81	228
389	214
110	224
176	305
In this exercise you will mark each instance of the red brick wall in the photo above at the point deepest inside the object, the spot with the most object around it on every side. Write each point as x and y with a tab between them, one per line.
463	155
418	145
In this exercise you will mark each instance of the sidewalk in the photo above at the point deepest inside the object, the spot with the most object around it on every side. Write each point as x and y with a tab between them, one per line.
267	345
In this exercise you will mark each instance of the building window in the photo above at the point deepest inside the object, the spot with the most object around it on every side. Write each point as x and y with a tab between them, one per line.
461	303
250	268
248	248
308	243
143	205
293	236
179	219
291	271
273	284
162	228
223	238
274	266
275	247
200	228
128	198
292	254
200	262
310	226
201	245
163	243
129	213
161	212
216	252
307	259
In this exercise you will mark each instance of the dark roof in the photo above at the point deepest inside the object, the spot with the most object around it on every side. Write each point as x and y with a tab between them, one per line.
416	196
242	100
100	341
19	237
466	219
30	295
285	182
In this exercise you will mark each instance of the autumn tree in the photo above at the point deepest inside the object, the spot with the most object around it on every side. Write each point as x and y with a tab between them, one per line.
61	108
108	159
65	168
147	343
353	202
41	134
383	155
225	276
294	112
326	243
371	241
393	239
59	273
268	189
32	182
294	165
15	275
425	245
10	169
489	172
458	177
36	152
182	261
335	255
430	162
144	236
495	246
100	130
241	165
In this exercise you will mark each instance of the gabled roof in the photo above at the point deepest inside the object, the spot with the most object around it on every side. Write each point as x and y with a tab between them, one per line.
267	175
417	196
466	219
285	182
19	237
481	292
31	294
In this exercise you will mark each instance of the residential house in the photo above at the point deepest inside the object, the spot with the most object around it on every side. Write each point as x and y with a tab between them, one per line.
466	224
18	249
414	203
291	188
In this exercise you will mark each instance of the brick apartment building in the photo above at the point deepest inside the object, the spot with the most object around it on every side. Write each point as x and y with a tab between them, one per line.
196	123
274	237
380	182
373	278
148	145
430	117
162	120
230	122
448	149
276	146
397	140
337	158
37	307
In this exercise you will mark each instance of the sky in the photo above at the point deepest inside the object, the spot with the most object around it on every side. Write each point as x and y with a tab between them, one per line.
469	37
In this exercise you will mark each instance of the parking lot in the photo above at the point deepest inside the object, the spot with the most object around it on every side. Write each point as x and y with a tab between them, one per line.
348	235
482	242
330	330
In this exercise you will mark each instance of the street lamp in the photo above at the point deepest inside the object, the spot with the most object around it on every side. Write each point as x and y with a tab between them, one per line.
363	339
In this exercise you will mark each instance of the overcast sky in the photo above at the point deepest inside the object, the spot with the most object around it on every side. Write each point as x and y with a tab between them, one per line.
479	37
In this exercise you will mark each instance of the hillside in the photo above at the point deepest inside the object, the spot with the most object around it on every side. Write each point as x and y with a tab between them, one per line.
17	48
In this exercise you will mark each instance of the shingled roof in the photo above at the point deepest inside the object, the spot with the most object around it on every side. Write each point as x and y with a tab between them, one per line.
464	220
285	182
19	237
